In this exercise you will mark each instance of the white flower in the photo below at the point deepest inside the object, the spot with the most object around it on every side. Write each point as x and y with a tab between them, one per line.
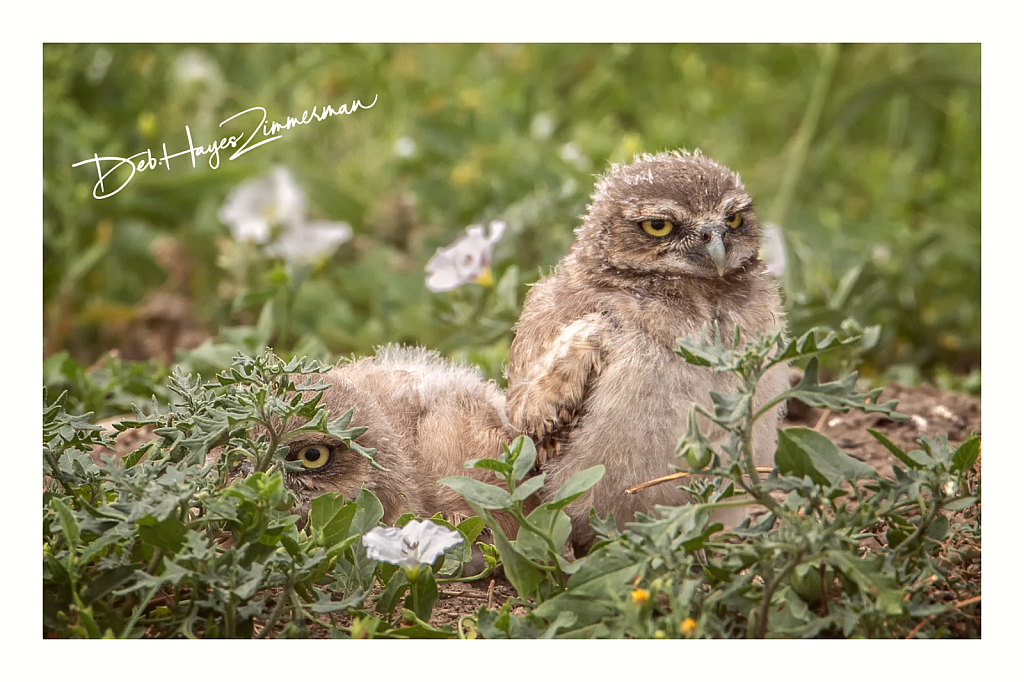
571	153
773	250
101	61
313	239
417	543
255	207
542	126
405	147
195	67
466	259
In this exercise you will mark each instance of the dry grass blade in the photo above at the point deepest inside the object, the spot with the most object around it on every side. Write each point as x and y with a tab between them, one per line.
679	474
955	605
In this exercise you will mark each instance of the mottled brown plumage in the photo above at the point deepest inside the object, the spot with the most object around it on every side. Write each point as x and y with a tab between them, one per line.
426	417
669	244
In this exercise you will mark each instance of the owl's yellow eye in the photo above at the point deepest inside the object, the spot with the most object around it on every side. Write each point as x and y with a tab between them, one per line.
657	228
734	220
314	456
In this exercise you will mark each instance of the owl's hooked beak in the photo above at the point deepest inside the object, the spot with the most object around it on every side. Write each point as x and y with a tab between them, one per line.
716	251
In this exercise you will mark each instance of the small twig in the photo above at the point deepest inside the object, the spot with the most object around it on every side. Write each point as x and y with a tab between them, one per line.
490	596
955	605
679	474
821	420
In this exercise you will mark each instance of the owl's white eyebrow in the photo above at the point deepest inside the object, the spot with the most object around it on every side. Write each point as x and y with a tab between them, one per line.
734	204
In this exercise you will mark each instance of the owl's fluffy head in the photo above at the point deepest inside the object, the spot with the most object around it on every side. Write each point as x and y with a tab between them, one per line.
670	216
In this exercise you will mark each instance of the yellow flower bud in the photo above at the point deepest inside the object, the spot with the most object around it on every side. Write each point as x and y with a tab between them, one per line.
688	627
641	596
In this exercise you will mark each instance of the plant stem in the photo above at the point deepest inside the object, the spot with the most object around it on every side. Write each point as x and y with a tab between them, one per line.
770	583
921	529
805	133
138	611
552	550
276	613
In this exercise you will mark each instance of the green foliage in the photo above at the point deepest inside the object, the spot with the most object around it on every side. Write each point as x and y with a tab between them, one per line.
868	156
533	561
167	543
799	571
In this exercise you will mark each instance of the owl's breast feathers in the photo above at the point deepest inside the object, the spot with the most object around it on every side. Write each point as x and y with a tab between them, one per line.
570	331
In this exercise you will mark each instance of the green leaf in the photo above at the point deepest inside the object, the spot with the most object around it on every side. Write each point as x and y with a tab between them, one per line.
471	528
819	340
729	407
553	523
392	592
418	630
479	493
521	572
840	395
805	452
330	517
167	534
68	524
528	487
580	483
422	595
896	451
525	458
489	463
966	455
368	513
108	581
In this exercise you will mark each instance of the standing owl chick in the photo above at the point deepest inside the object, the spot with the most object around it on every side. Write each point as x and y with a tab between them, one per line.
669	244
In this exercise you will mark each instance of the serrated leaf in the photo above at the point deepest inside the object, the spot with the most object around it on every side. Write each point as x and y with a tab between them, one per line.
840	395
819	340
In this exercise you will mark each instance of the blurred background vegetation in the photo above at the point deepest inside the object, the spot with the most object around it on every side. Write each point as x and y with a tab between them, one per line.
867	156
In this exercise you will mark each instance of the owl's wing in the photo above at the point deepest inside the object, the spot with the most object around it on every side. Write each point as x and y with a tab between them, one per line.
546	400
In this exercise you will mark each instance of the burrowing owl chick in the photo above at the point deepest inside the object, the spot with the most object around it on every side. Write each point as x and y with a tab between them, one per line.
426	417
669	244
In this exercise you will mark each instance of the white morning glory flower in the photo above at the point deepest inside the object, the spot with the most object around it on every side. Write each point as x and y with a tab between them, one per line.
416	544
467	259
311	240
773	250
253	209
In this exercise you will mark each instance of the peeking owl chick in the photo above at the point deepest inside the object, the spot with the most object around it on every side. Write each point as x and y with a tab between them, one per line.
425	416
669	244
